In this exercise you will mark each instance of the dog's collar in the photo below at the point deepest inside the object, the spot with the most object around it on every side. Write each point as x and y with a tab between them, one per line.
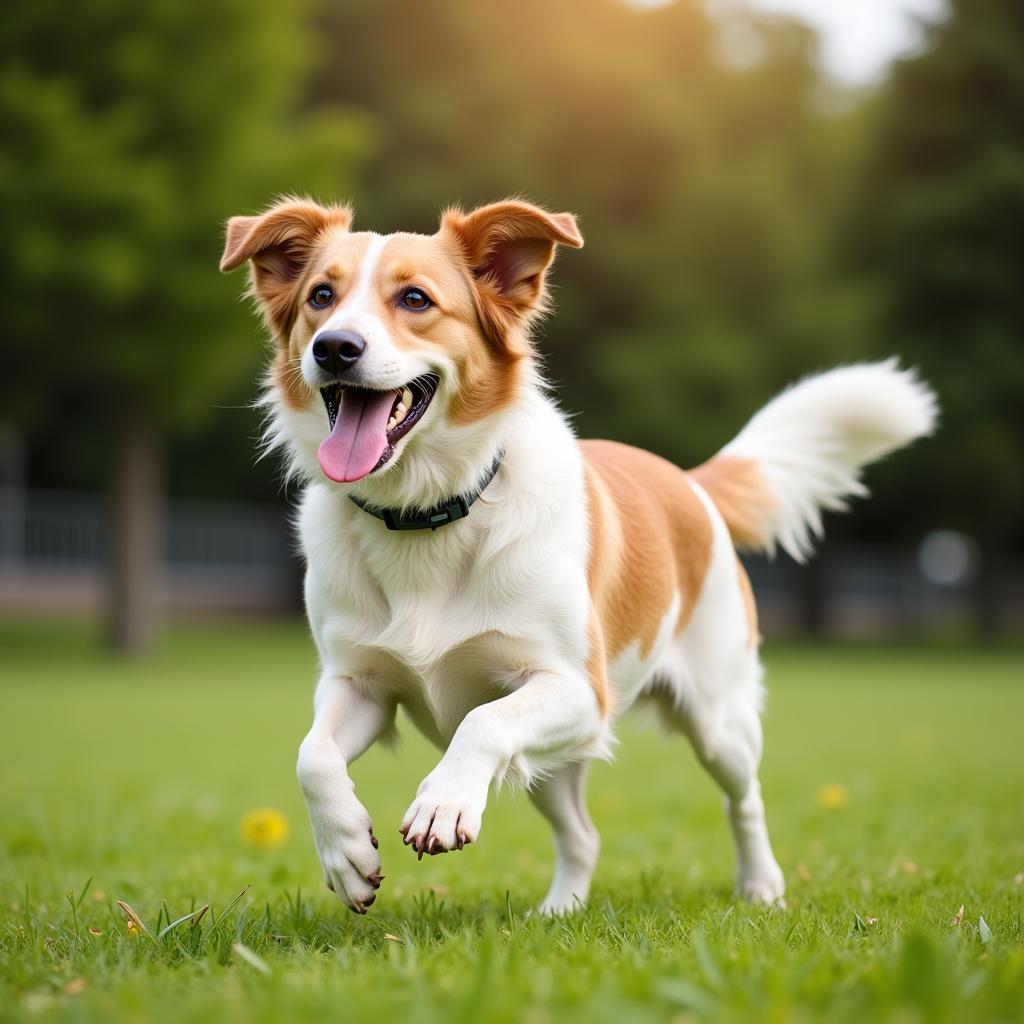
432	518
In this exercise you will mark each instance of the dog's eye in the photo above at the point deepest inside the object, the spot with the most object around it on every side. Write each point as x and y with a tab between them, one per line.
416	299
322	295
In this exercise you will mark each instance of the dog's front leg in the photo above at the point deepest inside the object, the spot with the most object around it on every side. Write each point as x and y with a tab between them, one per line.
345	723
550	720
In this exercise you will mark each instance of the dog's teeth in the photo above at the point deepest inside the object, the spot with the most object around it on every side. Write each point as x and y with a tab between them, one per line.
392	423
406	398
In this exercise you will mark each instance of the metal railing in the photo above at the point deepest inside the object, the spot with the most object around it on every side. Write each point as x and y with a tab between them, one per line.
220	554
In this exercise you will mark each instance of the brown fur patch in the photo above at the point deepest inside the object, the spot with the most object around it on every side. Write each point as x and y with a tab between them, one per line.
650	538
508	248
739	492
279	244
597	667
749	605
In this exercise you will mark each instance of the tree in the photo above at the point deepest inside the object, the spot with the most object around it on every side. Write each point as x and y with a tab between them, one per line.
131	132
937	229
706	194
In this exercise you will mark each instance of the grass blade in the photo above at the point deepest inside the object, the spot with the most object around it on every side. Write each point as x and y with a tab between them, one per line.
195	916
134	921
243	952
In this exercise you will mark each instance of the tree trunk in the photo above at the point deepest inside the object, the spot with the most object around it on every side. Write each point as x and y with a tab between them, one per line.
136	533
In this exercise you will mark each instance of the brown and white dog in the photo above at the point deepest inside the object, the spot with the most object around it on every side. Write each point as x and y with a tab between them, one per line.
558	581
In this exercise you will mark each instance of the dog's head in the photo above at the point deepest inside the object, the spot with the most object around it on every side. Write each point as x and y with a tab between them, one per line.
393	353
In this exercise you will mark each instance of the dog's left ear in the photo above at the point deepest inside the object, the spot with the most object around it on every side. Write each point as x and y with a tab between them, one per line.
509	247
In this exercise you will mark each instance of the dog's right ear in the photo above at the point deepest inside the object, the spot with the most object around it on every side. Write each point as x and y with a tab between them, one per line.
508	248
278	243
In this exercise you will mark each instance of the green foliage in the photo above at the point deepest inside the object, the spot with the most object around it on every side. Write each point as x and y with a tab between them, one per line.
705	194
721	207
131	132
137	792
938	227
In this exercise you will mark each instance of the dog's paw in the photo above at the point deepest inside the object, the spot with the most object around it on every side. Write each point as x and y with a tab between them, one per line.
559	904
441	819
764	888
351	863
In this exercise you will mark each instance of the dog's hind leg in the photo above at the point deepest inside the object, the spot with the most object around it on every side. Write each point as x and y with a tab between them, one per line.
561	798
711	679
729	746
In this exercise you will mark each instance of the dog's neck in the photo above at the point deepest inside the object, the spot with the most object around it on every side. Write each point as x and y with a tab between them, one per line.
539	483
445	462
446	512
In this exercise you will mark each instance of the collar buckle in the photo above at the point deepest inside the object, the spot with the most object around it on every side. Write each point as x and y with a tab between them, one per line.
442	515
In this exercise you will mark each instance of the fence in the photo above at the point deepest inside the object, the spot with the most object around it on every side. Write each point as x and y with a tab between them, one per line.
230	556
237	557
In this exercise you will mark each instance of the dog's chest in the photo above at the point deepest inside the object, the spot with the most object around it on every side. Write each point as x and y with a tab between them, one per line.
441	640
440	694
439	659
445	621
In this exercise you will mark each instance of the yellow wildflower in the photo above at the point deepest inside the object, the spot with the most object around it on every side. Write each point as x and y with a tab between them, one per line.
833	797
265	828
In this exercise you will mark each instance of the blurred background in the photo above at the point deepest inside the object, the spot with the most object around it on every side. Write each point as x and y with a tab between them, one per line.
766	189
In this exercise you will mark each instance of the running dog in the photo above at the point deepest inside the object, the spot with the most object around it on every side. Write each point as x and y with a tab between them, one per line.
513	588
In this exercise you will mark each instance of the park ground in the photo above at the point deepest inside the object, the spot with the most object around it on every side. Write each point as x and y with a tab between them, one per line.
894	778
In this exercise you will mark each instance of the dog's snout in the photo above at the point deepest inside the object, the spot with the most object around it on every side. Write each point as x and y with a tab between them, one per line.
336	351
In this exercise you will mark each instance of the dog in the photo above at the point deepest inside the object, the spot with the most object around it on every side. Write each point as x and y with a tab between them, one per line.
513	588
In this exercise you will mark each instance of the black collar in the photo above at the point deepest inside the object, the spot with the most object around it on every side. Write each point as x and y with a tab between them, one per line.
436	517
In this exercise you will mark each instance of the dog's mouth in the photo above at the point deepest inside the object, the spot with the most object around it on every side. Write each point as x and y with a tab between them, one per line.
366	425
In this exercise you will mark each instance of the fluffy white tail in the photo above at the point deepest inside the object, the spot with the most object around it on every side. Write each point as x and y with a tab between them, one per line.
803	452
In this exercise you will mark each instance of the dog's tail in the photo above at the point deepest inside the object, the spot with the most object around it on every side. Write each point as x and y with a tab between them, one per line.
803	452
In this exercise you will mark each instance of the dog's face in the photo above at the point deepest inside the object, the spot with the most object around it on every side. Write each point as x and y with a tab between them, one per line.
385	340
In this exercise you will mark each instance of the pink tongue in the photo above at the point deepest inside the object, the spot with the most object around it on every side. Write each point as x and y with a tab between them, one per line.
359	437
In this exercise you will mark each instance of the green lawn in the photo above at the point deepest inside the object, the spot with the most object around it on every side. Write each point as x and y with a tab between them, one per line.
128	782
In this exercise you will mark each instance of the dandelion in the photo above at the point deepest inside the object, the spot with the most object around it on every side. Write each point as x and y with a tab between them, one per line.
265	828
833	797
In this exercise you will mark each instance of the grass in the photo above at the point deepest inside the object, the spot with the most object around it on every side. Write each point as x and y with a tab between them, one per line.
128	782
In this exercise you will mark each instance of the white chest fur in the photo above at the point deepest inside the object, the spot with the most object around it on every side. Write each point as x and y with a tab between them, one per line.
446	620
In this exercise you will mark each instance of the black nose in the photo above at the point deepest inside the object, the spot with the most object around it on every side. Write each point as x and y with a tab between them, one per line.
336	351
